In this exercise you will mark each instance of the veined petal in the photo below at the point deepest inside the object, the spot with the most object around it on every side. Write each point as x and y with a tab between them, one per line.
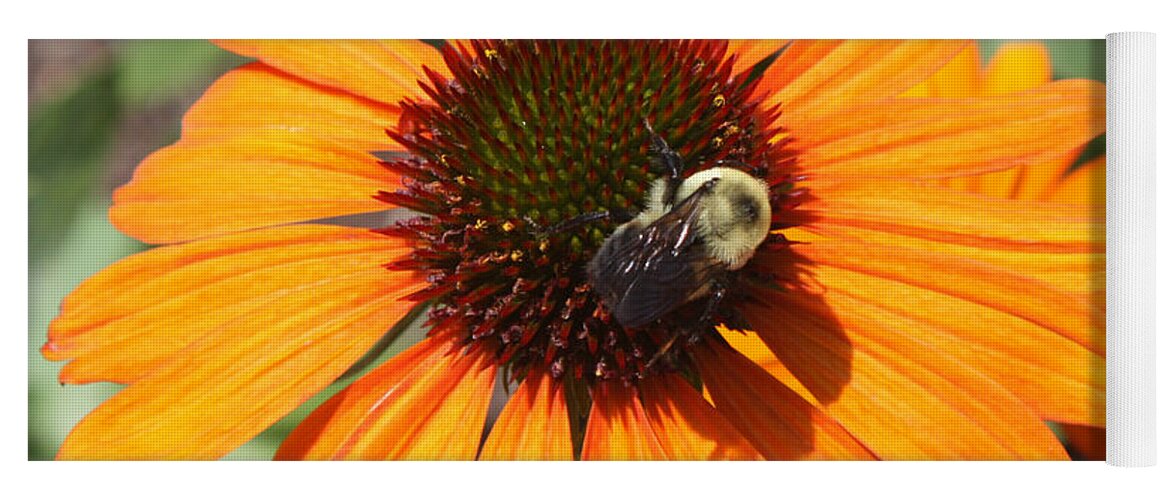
386	71
428	403
747	342
960	77
892	382
256	96
1070	272
936	213
687	426
534	424
852	73
1072	316
1034	181
1085	186
794	61
198	188
748	52
618	427
778	422
1027	182
244	374
1057	378
137	314
1055	375
936	138
1015	67
326	429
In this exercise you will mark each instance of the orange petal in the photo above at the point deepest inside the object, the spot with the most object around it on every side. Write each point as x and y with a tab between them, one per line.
937	213
256	96
687	426
854	72
1039	178
534	424
1056	378
960	77
879	376
241	377
135	315
1080	272
1071	316
795	61
778	422
618	427
1016	66
750	344
1027	182
748	52
325	430
947	137
216	398
386	71
1000	184
427	403
1085	186
199	188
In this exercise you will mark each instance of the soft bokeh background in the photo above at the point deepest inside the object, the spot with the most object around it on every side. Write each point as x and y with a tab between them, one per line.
97	108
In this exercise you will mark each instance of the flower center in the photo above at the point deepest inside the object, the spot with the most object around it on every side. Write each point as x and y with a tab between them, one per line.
529	134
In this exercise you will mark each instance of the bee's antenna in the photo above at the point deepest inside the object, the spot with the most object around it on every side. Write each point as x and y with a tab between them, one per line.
536	229
663	350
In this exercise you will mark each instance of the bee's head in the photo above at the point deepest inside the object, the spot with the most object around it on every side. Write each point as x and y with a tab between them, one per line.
736	214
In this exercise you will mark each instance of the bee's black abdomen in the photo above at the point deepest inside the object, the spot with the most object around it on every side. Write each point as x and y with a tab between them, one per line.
675	281
605	268
620	279
644	272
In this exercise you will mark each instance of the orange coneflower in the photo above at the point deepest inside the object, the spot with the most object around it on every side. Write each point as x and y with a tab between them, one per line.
890	314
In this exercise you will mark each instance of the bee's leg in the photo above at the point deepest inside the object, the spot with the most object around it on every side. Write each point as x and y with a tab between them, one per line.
576	222
734	319
664	349
705	323
671	161
706	320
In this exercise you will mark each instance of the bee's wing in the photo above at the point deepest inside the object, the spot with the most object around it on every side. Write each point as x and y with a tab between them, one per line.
660	266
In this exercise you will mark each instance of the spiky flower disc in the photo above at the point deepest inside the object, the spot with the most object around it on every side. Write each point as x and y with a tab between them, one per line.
527	134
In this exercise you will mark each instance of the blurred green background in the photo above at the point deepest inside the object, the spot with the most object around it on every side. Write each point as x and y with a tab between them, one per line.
97	108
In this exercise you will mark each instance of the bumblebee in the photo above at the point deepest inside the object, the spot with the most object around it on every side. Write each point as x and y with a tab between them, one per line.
684	245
